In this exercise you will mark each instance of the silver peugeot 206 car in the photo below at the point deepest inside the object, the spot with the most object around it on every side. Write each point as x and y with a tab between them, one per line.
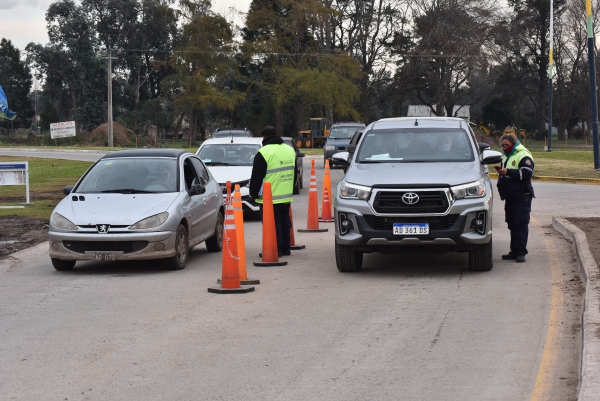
138	205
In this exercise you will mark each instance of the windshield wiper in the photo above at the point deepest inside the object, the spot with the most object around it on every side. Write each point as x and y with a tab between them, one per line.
218	164
127	191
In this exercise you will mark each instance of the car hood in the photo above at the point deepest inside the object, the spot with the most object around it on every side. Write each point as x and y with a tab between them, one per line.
444	174
230	173
114	209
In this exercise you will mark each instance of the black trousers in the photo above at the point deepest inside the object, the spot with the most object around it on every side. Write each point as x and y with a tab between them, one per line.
517	214
282	226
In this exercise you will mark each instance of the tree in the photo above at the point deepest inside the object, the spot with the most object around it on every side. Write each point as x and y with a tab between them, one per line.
74	79
204	62
15	79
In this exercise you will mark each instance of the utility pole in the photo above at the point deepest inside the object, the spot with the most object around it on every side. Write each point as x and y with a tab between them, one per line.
592	68
110	112
550	68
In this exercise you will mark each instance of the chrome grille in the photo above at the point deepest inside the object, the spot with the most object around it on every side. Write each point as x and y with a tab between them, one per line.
429	202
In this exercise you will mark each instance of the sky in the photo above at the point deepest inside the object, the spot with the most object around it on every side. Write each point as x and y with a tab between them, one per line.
23	21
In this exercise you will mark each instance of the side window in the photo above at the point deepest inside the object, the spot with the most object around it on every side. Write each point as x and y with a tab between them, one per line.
189	173
201	170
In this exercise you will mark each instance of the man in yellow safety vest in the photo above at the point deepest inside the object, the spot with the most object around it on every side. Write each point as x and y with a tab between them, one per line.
275	162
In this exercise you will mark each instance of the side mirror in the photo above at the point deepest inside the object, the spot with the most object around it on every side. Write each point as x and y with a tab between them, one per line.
67	190
341	159
483	146
196	190
301	154
351	149
491	157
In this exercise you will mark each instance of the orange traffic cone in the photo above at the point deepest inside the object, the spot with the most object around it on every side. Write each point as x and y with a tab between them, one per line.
326	216
230	271
238	214
292	238
312	223
326	185
270	253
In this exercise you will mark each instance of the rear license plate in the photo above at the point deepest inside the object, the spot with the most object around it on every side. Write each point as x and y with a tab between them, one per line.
411	229
104	256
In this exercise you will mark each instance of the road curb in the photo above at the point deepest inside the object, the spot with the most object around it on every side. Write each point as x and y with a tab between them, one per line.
52	150
566	180
589	378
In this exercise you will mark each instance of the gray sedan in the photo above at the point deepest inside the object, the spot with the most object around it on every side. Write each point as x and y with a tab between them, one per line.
138	205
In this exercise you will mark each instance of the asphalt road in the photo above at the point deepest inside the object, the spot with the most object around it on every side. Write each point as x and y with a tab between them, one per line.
407	327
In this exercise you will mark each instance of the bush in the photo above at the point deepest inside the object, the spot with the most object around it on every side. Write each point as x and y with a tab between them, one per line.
577	133
541	135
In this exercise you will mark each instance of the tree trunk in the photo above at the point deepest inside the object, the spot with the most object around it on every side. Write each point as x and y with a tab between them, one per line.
364	97
279	120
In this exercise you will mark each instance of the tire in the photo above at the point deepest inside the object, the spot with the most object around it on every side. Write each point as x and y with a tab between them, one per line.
63	265
215	243
480	259
182	248
297	187
347	259
301	180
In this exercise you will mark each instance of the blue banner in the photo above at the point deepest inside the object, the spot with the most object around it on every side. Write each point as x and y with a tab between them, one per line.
4	111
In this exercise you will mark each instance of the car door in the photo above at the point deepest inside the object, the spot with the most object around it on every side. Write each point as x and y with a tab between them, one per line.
212	196
195	206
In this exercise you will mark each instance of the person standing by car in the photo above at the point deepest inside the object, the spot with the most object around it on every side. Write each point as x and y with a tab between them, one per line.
275	162
514	186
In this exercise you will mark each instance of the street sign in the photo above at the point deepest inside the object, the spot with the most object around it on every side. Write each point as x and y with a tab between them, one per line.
62	130
15	173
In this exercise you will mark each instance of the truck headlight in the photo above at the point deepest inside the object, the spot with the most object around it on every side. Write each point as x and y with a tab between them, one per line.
60	221
150	222
353	191
471	190
329	147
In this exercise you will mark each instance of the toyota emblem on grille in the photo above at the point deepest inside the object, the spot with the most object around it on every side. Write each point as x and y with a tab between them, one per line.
102	228
410	198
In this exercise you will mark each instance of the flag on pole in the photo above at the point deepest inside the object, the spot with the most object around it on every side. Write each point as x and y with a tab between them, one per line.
4	111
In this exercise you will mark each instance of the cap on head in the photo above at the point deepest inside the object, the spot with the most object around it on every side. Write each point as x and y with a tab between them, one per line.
268	131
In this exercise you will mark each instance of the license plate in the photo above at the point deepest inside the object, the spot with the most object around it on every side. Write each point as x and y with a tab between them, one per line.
411	229
104	256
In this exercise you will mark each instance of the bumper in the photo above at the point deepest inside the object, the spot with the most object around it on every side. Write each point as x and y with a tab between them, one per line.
454	231
68	246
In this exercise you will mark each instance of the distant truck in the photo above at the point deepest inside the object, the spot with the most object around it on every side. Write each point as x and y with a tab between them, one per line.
316	136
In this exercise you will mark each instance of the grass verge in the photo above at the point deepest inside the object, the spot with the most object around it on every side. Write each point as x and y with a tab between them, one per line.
47	177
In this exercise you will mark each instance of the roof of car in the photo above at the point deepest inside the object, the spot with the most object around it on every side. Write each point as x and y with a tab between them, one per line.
243	140
152	152
348	123
416	121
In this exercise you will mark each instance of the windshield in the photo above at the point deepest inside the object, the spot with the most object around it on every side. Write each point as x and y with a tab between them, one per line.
228	154
343	133
131	175
415	145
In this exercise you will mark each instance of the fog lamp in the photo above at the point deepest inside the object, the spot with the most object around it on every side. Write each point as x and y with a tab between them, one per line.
478	223
345	223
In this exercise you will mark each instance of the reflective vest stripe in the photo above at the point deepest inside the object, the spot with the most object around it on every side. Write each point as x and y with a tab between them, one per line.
275	170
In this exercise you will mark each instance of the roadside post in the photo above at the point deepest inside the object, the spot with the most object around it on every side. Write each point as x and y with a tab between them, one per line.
15	173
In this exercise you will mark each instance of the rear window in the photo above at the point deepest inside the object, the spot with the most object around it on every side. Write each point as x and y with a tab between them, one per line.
415	145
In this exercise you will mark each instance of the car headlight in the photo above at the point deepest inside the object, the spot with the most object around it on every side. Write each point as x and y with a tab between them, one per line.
62	222
150	222
471	190
353	191
329	147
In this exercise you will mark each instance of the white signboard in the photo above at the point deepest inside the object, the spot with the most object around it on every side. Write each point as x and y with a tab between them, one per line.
62	130
15	173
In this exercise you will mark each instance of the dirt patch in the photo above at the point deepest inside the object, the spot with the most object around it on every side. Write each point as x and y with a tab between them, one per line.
99	136
481	137
591	228
17	233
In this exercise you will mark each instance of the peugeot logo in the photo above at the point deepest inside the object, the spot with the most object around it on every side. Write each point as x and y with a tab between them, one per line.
410	198
102	228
